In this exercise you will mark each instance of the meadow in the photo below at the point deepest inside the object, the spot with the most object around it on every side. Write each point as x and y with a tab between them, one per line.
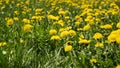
59	34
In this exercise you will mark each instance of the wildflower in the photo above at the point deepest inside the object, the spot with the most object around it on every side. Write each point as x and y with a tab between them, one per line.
106	26
112	36
38	11
55	37
72	32
77	23
68	28
7	1
68	48
84	41
51	17
118	66
118	25
3	43
93	60
16	18
77	17
26	21
86	27
52	32
64	34
118	39
61	22
10	21
82	36
79	29
61	12
35	17
62	29
16	12
97	35
98	44
27	27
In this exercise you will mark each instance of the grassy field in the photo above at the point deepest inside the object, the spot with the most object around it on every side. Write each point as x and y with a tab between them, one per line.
59	34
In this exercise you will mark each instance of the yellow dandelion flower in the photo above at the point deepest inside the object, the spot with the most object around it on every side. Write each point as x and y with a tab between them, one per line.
84	41
98	44
118	39
10	21
112	36
16	18
55	37
64	34
62	12
86	27
61	22
93	60
62	29
52	32
81	36
51	17
16	12
77	23
97	36
79	29
118	25
106	26
72	32
77	17
27	27
67	48
118	66
3	43
38	11
26	21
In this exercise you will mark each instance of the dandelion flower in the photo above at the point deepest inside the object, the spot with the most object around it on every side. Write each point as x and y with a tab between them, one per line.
55	37
10	21
26	21
118	25
86	27
97	35
98	44
52	32
3	43
93	60
64	34
68	48
27	27
72	32
118	66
